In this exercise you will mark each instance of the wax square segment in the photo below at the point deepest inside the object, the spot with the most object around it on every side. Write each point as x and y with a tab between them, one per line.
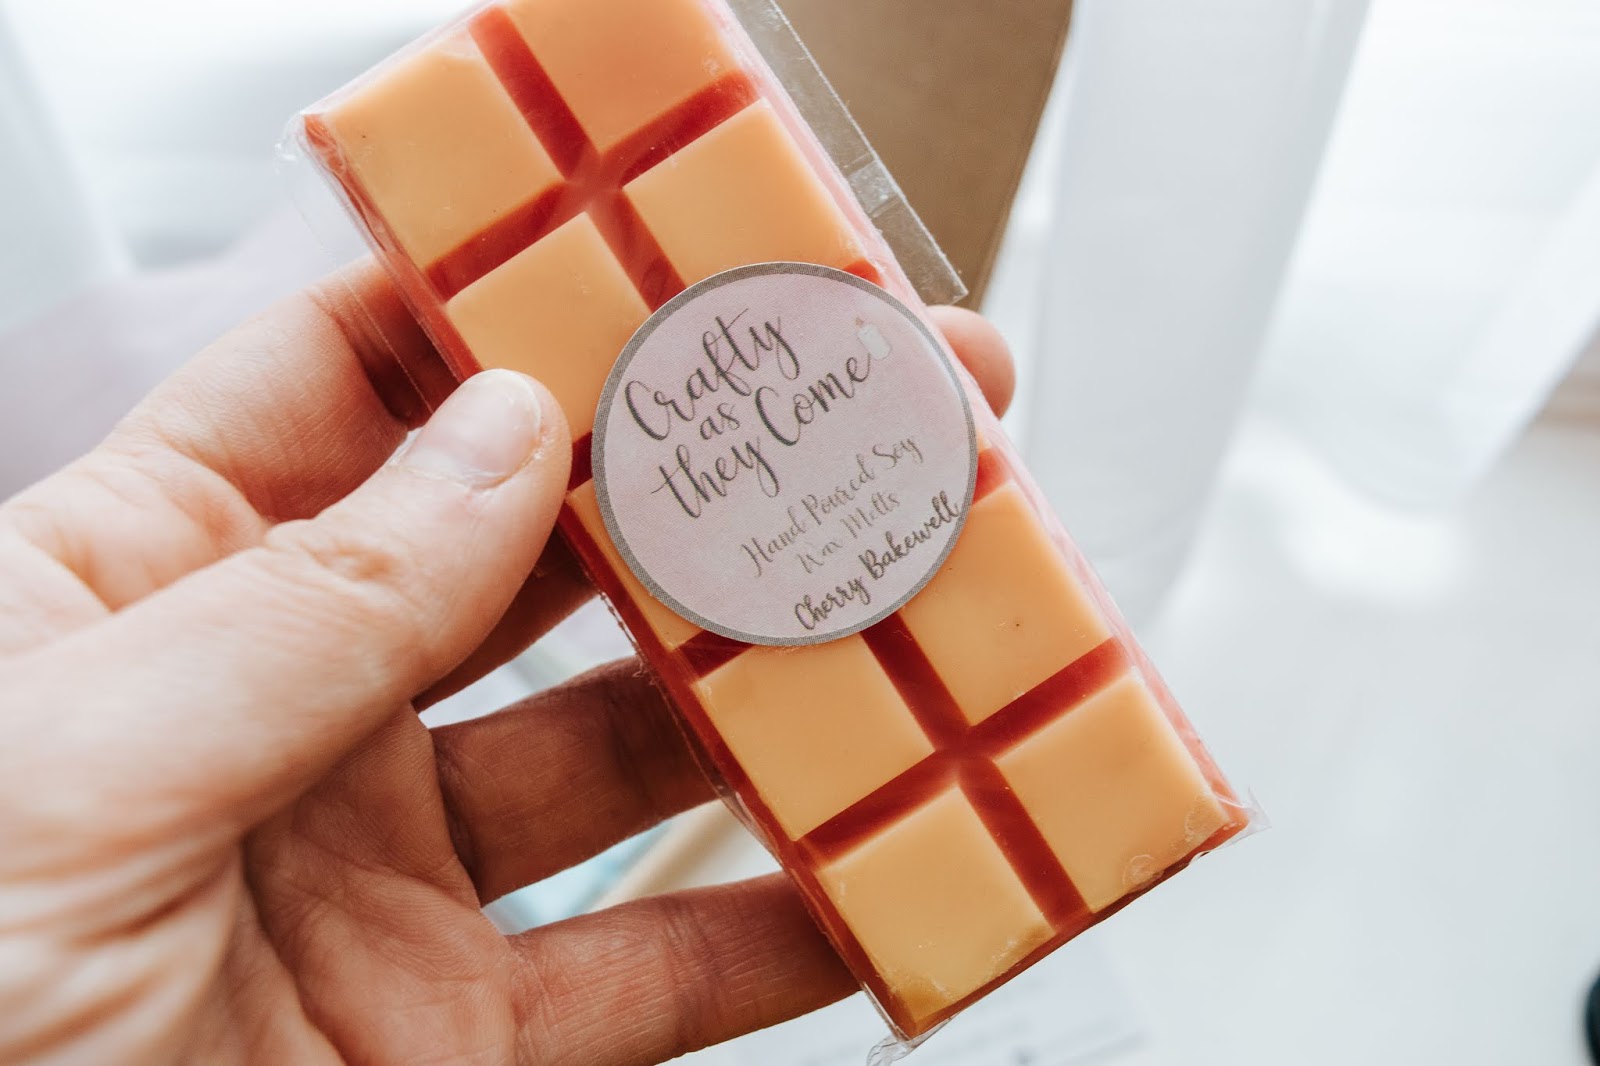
817	728
620	64
743	193
1114	790
1005	613
671	628
440	148
935	904
561	311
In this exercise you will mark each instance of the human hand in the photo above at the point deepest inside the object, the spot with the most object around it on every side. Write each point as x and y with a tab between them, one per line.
229	838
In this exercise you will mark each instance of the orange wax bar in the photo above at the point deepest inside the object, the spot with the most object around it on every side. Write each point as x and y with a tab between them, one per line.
1002	768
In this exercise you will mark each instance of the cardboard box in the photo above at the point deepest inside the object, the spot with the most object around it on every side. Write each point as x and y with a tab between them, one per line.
950	92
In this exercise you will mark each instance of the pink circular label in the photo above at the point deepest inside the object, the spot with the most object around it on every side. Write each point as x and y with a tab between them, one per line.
784	454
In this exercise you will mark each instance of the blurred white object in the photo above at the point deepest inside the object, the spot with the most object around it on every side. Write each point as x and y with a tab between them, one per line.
1193	133
177	103
55	242
1450	270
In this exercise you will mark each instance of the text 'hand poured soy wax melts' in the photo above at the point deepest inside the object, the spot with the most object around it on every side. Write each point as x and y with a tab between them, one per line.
886	650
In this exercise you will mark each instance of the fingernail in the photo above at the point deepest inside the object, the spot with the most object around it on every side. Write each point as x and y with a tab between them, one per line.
485	432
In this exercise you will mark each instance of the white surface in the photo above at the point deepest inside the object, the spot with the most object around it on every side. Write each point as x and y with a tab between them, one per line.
1416	702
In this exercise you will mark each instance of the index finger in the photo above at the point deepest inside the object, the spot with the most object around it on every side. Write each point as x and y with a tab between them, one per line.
299	406
276	421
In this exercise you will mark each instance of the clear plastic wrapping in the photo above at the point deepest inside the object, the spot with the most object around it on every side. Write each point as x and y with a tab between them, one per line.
996	766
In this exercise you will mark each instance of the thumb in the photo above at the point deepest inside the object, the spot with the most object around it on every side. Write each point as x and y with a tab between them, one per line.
236	688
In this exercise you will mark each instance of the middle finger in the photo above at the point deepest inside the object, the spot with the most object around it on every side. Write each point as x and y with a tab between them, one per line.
562	776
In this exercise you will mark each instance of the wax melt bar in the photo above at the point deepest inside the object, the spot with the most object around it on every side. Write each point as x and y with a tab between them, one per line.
996	766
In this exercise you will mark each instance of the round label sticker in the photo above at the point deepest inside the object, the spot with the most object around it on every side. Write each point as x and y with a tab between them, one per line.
784	455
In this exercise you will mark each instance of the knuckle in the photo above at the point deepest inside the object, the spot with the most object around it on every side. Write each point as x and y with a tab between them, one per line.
648	745
634	736
690	955
367	576
456	773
